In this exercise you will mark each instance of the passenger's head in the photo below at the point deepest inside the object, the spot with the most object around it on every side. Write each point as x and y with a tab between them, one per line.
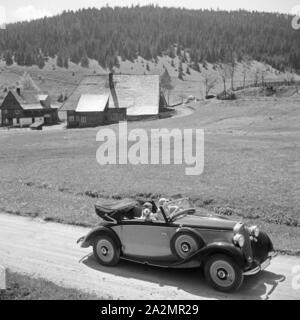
146	214
148	205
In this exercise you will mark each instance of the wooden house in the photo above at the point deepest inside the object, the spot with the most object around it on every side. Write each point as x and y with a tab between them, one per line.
23	108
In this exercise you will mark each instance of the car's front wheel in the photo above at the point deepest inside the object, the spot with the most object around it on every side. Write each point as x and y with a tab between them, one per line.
106	251
223	273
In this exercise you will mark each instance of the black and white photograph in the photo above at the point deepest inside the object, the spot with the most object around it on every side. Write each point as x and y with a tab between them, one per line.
149	151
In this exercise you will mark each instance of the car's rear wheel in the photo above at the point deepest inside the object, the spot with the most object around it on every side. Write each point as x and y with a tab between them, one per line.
184	244
106	251
223	273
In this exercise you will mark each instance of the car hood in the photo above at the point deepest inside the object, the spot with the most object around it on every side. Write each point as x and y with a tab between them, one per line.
206	221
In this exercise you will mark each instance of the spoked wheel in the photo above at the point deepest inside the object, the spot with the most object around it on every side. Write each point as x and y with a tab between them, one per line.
106	250
223	273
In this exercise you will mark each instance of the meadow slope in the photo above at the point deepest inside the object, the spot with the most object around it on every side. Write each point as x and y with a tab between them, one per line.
251	169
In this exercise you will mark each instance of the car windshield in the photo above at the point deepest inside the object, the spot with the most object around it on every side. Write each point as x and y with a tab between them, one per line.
176	208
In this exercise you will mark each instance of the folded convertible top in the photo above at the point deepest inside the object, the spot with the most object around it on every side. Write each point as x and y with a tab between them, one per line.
110	208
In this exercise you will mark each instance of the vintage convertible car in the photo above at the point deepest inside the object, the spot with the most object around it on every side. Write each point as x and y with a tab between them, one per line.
184	238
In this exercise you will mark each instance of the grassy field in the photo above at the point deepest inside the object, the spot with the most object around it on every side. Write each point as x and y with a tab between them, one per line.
251	169
21	287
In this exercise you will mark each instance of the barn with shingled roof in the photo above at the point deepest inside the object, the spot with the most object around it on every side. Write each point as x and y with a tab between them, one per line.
110	98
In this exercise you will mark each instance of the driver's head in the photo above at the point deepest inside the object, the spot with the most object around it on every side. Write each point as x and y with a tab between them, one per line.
162	202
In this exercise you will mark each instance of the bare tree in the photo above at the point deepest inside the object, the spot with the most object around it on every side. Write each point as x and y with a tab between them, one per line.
210	81
224	73
259	75
245	69
256	75
263	74
232	66
289	75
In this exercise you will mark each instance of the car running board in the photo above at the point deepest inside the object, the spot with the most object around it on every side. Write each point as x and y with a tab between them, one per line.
165	264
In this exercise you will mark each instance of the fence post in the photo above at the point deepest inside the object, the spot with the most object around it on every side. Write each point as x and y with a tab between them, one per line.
2	278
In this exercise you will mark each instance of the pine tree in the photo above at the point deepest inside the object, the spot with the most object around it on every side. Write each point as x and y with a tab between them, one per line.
196	66
60	60
84	62
66	62
20	58
151	32
74	57
178	51
41	62
180	71
8	58
166	83
171	52
28	59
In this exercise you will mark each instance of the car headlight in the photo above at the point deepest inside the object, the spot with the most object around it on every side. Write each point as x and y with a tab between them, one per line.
254	231
239	240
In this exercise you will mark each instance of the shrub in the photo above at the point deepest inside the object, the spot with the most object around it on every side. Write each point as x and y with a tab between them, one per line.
226	96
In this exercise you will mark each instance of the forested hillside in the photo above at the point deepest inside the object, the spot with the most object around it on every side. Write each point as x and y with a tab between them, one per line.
194	35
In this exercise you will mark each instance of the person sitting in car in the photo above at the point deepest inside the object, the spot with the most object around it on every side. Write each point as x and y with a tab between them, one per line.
147	213
163	202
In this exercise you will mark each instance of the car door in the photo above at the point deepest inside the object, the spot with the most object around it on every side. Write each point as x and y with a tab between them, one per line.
142	239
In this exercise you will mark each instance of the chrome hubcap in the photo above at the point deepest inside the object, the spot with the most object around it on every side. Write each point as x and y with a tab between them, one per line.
185	247
105	250
222	273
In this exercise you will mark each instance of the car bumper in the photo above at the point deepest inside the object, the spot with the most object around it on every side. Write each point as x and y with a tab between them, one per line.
262	266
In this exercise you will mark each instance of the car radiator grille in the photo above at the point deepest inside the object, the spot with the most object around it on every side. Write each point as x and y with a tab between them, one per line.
247	249
261	247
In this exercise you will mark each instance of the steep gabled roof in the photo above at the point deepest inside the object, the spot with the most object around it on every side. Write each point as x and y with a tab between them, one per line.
139	94
30	99
89	85
92	102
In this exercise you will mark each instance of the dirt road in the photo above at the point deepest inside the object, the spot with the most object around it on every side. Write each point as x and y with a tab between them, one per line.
49	250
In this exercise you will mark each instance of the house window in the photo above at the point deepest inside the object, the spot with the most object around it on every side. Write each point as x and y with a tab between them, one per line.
18	120
83	119
71	118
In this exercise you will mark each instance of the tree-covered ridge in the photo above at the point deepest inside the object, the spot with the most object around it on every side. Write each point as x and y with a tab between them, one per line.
201	35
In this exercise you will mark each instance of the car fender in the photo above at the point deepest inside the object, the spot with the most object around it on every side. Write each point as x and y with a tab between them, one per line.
222	248
191	231
100	230
186	230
